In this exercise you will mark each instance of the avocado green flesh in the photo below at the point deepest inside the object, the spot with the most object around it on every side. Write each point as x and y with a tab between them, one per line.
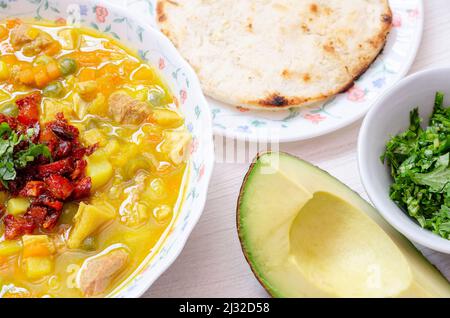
305	234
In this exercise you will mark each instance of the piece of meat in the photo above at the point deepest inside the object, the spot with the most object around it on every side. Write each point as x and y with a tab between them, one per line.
82	189
33	189
59	187
59	167
80	169
37	214
62	150
97	273
15	227
31	40
62	129
79	151
51	220
20	35
48	201
127	110
49	139
29	109
11	121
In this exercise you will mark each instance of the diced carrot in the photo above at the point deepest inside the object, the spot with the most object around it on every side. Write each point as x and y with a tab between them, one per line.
37	250
109	69
9	58
129	66
53	71
53	49
144	73
87	58
37	245
11	23
26	76
3	33
108	84
87	74
41	76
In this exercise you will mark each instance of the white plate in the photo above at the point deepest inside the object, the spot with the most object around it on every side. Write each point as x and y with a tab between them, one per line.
344	109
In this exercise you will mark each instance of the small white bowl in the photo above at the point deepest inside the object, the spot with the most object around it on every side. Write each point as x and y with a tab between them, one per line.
388	117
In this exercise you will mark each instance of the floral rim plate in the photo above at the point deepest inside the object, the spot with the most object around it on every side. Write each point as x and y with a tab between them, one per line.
336	113
157	50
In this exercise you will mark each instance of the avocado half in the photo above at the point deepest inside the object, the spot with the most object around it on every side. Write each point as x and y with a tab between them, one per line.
306	234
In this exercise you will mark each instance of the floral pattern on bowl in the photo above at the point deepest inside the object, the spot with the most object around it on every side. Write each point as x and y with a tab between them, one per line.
157	50
338	112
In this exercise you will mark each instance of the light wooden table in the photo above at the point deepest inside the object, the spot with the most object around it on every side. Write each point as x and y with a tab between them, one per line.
212	264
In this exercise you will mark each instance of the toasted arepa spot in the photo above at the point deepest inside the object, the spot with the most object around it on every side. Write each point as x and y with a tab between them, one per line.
275	100
387	18
306	77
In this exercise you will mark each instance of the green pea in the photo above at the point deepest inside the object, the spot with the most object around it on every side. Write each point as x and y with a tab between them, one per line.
55	90
42	60
10	110
89	244
67	66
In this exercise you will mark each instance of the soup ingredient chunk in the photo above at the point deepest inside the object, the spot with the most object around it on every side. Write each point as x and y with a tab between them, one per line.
31	40
127	110
98	272
88	219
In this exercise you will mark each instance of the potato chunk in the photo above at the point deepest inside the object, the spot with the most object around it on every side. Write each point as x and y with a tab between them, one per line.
50	107
88	219
70	39
97	273
17	206
8	248
100	170
37	267
94	136
167	118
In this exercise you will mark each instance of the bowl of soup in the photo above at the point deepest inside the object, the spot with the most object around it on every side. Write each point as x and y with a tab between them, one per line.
105	152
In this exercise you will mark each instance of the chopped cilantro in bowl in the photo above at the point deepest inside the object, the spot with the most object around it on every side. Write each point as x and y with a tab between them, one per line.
419	161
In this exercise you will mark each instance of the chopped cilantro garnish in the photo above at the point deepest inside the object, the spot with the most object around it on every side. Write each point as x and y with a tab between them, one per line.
10	160
419	160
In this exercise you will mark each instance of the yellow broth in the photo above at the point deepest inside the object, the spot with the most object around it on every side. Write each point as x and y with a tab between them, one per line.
148	159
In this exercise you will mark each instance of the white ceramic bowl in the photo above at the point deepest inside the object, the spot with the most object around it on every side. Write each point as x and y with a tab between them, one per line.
157	50
388	117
